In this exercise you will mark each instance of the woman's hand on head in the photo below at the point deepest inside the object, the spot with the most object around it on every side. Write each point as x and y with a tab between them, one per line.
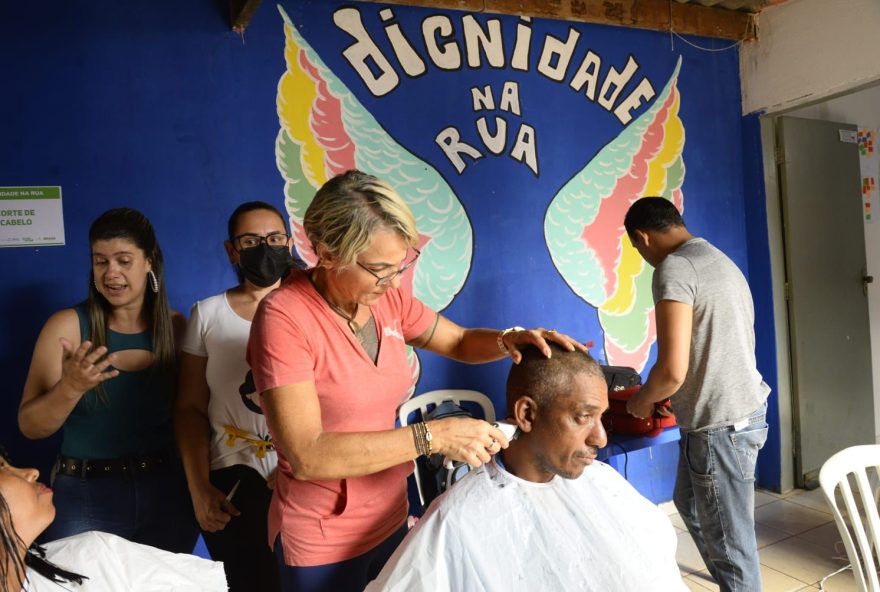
465	439
84	368
515	341
213	510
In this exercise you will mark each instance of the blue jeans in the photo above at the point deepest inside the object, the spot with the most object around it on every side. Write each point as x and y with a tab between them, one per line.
150	508
715	496
350	575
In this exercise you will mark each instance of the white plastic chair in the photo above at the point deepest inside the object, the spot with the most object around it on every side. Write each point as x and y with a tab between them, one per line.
835	475
426	401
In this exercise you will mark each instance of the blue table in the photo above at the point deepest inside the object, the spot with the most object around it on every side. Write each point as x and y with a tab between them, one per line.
647	463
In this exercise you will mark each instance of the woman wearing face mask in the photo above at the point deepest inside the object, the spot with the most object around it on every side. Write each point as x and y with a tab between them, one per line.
105	372
221	430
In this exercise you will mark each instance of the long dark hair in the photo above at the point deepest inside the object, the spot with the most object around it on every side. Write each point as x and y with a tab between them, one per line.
129	224
11	561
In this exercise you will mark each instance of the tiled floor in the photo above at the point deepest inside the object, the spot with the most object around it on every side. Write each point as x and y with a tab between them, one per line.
797	541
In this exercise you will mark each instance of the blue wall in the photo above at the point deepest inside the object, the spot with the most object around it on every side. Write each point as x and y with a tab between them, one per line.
161	108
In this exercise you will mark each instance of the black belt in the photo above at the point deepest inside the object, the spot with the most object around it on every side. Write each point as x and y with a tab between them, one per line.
129	466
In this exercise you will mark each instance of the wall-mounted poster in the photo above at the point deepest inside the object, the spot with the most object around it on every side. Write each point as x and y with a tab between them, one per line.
31	217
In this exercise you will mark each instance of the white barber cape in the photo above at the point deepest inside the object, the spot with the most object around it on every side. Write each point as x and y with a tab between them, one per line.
495	532
114	564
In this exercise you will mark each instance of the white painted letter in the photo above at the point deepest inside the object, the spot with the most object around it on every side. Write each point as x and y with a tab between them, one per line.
484	99
495	143
491	42
520	59
510	98
588	74
357	54
558	52
616	80
644	91
449	57
406	55
525	150
450	142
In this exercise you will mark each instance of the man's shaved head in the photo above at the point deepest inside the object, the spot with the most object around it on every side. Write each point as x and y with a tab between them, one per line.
543	378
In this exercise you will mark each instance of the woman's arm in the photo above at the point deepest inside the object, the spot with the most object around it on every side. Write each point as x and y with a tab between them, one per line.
294	413
62	370
477	346
193	430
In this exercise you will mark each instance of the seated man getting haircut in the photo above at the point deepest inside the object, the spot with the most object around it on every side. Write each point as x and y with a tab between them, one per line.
544	515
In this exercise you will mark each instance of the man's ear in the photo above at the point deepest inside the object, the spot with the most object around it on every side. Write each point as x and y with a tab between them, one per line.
524	411
642	237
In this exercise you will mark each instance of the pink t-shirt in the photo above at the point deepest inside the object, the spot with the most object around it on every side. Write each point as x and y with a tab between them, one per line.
296	337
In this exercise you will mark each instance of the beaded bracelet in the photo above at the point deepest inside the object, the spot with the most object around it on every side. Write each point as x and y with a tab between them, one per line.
422	438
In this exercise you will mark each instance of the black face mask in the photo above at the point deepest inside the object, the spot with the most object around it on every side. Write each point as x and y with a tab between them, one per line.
264	265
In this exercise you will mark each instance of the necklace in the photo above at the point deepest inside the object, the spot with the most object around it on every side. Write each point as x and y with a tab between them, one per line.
349	319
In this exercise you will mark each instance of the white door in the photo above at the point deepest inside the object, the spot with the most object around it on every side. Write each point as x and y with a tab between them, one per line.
833	403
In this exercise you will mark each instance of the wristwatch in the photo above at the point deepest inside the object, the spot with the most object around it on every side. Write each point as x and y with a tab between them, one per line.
500	339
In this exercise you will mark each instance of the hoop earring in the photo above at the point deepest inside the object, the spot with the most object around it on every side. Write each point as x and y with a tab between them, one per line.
154	283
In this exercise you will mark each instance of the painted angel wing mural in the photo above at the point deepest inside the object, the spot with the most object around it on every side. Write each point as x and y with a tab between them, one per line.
584	230
325	130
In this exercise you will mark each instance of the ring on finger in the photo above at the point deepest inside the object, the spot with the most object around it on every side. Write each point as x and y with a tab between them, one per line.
551	330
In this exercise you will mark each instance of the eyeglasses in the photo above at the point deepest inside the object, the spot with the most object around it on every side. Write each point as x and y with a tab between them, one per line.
384	280
252	241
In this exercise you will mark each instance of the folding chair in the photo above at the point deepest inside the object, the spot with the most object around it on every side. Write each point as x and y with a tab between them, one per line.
834	475
425	402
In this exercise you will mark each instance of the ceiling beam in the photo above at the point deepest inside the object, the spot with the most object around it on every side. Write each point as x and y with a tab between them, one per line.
241	12
656	15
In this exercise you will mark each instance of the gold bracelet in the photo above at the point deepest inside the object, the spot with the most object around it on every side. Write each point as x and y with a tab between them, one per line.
429	439
421	438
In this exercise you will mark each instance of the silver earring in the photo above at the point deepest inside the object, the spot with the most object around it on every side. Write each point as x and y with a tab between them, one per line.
154	283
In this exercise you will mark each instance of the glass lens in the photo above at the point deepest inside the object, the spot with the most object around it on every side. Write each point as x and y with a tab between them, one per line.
252	241
276	240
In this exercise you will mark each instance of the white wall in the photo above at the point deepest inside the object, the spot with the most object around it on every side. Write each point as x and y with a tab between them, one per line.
861	108
808	50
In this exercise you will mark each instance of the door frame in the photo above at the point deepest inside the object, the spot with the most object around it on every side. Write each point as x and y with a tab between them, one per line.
776	242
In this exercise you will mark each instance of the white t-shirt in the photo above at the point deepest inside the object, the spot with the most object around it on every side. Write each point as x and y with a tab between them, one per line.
493	531
239	435
114	564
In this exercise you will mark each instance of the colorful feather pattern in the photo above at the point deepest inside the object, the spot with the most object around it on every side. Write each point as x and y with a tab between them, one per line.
324	131
584	230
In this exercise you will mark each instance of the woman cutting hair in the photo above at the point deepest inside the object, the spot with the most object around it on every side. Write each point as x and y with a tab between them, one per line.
328	353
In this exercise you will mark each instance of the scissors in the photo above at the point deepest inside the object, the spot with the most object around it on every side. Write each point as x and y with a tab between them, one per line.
232	491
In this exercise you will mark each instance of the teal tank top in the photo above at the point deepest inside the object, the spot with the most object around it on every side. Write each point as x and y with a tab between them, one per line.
133	418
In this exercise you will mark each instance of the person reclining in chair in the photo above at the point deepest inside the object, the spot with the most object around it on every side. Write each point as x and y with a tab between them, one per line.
544	514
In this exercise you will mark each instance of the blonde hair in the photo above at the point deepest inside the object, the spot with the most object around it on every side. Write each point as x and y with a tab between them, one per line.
349	208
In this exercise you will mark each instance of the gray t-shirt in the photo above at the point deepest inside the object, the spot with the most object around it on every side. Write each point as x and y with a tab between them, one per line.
723	384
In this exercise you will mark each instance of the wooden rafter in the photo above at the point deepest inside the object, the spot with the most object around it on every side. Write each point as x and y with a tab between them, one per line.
241	12
657	15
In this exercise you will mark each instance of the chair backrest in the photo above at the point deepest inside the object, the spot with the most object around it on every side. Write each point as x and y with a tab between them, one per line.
425	402
835	475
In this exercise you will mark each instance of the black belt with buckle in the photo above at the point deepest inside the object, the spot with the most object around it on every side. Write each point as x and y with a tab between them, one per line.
129	466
